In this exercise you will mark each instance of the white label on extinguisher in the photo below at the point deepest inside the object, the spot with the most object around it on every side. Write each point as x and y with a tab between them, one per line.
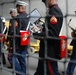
25	37
63	45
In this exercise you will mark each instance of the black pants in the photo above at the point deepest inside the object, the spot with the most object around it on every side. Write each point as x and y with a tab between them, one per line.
3	59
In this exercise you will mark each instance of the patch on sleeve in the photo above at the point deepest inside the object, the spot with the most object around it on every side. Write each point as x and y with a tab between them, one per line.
10	24
53	20
16	24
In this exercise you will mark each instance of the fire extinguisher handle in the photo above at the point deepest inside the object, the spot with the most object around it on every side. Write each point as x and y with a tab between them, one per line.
28	26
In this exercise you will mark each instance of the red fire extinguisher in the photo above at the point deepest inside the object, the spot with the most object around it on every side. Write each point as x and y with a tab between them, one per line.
63	46
25	36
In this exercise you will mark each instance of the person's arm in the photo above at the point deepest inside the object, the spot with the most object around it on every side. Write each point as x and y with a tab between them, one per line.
55	20
5	30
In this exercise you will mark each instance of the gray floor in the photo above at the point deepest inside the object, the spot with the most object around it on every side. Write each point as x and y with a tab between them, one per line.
31	66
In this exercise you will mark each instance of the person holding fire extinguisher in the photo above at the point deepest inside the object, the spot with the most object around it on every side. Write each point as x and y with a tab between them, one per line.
3	31
72	63
53	25
21	23
13	13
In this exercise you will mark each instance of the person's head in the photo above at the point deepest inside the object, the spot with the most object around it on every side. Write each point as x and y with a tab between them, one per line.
13	13
49	3
21	6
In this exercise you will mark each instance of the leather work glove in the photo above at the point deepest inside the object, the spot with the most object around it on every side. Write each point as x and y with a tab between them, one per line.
73	33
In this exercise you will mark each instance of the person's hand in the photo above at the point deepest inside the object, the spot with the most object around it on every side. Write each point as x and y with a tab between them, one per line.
73	33
2	38
7	44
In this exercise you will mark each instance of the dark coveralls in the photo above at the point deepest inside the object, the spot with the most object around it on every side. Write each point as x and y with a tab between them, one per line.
52	44
2	26
21	22
71	65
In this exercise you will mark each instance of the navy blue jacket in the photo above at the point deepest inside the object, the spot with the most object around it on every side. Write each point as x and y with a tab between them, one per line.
18	23
53	31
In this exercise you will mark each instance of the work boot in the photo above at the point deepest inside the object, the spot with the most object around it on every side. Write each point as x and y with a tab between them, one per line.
63	73
17	74
10	67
